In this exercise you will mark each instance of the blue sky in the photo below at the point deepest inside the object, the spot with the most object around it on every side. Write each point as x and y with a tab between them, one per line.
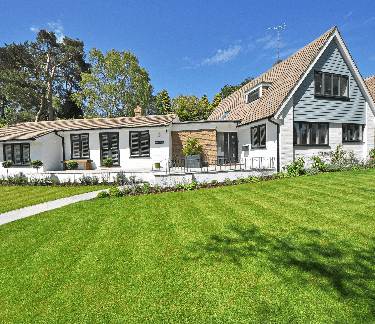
196	47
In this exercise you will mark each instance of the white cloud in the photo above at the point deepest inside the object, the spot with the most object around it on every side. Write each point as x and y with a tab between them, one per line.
223	56
264	39
349	14
34	29
369	21
287	53
58	29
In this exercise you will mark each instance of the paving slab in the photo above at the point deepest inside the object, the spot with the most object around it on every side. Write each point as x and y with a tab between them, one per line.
49	205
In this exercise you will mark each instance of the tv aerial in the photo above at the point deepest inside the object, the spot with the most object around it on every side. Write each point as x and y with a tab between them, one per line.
278	38
16	107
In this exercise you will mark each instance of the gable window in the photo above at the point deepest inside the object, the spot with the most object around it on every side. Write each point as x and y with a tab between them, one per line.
252	96
19	154
310	133
331	85
352	133
80	146
258	136
139	144
109	147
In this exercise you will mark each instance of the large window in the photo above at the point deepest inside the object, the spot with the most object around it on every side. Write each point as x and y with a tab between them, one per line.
18	153
139	144
80	146
109	147
258	136
331	85
352	133
310	133
252	96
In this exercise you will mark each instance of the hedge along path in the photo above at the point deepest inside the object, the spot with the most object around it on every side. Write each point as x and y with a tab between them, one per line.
13	215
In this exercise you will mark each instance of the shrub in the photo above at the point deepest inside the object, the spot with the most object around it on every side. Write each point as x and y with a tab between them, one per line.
95	180
102	194
85	180
146	188
134	189
202	184
158	188
192	147
228	181
115	192
240	181
296	168
72	165
108	162
36	164
126	191
7	164
178	186
214	182
319	164
372	154
191	185
54	181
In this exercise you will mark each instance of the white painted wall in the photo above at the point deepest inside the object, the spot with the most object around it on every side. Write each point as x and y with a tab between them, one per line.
370	129
286	135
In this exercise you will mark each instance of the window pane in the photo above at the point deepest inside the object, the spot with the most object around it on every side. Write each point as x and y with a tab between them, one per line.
134	144
26	153
75	152
262	131
305	136
314	134
85	146
335	86
296	139
323	134
344	86
360	132
345	131
318	83
352	132
327	84
252	96
17	154
145	147
254	136
114	148
8	153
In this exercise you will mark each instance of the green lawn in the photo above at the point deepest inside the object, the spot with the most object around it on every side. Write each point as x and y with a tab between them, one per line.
287	251
15	197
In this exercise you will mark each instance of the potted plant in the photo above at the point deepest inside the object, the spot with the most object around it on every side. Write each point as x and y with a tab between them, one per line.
157	165
108	162
36	164
192	151
72	165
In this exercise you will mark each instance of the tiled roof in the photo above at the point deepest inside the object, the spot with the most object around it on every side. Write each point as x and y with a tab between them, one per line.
30	130
283	76
370	83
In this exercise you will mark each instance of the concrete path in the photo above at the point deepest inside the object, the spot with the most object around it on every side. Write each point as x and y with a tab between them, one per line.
49	205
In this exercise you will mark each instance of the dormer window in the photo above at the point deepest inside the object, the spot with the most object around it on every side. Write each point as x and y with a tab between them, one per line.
256	92
225	115
252	96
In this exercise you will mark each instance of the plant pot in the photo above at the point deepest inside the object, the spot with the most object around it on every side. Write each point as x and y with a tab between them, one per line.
157	165
193	161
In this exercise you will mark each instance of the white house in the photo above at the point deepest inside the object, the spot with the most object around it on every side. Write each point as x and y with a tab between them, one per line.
310	102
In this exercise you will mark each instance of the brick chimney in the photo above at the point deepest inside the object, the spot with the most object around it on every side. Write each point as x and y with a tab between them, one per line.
138	111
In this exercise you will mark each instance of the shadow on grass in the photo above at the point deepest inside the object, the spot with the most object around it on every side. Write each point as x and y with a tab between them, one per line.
347	267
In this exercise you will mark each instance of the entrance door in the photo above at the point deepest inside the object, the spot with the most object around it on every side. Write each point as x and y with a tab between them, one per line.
227	148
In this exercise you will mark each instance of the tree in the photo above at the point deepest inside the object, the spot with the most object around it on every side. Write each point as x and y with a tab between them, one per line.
206	107
115	85
35	73
216	101
227	90
187	107
163	103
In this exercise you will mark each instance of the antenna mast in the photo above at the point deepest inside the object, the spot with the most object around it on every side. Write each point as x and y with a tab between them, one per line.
278	38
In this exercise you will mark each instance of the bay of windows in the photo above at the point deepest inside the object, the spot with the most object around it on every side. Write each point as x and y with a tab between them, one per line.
258	136
331	85
139	144
80	146
109	147
310	133
19	154
352	133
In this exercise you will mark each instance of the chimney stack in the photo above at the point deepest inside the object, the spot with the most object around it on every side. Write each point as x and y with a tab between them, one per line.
138	111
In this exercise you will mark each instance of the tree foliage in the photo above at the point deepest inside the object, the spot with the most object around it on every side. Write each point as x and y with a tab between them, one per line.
35	73
163	103
216	101
227	90
115	85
